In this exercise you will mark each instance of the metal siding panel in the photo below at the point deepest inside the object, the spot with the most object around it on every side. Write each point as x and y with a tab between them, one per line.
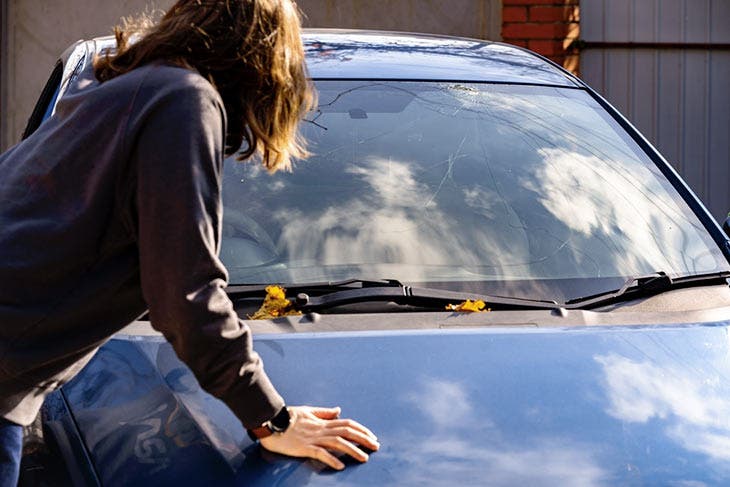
618	79
718	193
643	92
591	69
618	28
591	20
697	21
694	133
670	24
669	88
720	21
592	28
680	99
644	25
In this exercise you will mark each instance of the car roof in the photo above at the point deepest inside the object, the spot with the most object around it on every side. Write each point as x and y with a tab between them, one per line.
363	54
359	54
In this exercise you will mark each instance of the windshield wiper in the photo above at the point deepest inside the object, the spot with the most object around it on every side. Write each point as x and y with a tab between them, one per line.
646	285
257	290
320	296
412	296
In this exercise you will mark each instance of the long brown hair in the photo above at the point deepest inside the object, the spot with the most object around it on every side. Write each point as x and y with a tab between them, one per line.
250	50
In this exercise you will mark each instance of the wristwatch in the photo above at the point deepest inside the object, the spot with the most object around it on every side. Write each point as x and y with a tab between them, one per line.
277	424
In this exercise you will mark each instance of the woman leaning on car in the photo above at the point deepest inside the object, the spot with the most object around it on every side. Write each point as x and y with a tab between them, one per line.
112	207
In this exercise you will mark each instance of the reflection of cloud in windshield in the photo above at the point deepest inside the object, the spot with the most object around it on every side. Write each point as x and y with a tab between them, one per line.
483	199
393	181
693	406
383	228
462	182
392	225
575	188
465	447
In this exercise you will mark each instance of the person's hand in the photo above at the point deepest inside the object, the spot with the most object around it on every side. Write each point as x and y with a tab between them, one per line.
314	432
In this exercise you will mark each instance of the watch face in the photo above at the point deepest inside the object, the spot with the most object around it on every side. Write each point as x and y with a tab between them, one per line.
280	422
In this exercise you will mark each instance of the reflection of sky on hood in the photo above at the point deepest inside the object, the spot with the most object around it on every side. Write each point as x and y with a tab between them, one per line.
693	405
461	409
545	406
453	459
436	181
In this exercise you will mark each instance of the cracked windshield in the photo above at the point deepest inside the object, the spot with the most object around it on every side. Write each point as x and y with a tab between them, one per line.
512	190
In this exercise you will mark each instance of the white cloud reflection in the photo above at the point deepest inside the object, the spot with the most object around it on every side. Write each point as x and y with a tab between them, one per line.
393	226
575	215
693	406
466	447
522	184
623	205
447	403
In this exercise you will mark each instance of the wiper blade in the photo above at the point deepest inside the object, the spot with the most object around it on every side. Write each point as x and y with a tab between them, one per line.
323	295
646	285
413	296
257	290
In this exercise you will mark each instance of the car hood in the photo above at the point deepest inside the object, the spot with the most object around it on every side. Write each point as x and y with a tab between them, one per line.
587	405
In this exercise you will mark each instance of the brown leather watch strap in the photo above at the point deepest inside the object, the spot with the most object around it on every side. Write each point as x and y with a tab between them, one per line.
260	432
278	424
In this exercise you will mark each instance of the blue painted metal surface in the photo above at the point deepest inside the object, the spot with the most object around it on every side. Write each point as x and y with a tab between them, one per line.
384	55
559	406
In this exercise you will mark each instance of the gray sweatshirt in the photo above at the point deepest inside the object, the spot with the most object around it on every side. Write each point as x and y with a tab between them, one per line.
110	208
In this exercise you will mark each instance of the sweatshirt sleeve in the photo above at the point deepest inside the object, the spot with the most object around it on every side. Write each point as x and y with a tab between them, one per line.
178	156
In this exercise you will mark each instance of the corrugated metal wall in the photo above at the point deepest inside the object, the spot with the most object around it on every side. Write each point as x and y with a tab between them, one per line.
673	83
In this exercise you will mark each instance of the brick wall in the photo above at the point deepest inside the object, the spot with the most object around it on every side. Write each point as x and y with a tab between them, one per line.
547	27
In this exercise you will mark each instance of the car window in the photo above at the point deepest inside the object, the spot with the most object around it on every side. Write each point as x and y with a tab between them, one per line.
463	186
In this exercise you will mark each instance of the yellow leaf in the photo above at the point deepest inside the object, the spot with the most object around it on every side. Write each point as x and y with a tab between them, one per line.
275	305
469	306
275	292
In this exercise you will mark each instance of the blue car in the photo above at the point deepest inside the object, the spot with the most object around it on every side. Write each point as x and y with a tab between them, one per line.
496	272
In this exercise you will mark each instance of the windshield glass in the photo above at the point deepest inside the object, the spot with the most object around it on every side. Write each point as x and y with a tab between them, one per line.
517	190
